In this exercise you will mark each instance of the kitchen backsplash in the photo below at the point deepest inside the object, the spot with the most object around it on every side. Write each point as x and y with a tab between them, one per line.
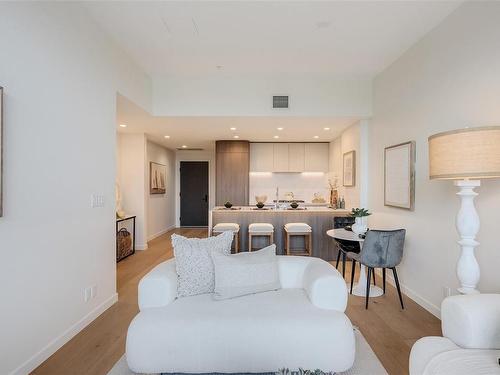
303	185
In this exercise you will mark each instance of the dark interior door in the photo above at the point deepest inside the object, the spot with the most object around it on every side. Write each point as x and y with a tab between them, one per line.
194	193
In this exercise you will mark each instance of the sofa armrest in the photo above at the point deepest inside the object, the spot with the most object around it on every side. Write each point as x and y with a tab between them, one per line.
159	287
472	321
325	286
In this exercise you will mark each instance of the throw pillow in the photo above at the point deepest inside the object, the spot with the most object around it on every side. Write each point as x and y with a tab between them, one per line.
193	262
246	273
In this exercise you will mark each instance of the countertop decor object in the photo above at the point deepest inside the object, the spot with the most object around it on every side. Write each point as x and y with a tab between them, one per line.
260	204
228	204
261	198
467	156
294	205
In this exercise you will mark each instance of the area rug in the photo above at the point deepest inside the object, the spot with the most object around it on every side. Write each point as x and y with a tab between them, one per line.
366	362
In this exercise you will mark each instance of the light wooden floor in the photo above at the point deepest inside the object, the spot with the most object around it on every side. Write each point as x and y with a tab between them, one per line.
390	331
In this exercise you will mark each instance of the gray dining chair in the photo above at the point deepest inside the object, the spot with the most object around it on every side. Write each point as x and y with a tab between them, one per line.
381	249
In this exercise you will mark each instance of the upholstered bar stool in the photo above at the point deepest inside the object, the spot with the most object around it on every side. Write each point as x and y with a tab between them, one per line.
298	229
260	229
229	227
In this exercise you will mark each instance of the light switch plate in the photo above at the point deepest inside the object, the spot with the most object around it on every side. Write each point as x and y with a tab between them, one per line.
96	200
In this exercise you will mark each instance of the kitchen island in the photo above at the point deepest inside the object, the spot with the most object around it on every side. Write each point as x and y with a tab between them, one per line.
319	218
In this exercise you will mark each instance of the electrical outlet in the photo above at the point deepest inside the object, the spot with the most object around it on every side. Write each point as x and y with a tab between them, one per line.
93	291
87	294
446	291
96	200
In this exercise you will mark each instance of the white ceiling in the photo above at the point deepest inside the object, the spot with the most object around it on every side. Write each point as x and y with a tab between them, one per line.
338	38
203	131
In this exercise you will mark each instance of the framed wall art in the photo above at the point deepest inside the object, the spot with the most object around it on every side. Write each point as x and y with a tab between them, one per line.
349	163
157	178
399	175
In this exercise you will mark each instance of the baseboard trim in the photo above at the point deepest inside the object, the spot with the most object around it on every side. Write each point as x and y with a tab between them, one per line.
37	359
160	233
411	294
141	247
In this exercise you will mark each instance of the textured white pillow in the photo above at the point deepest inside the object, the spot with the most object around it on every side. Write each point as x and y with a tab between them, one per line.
193	263
246	273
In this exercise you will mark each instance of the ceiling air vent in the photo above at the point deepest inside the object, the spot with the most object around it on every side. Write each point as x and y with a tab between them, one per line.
189	149
280	101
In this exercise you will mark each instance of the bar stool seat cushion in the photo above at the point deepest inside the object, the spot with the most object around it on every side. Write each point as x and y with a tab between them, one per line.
261	228
298	228
223	227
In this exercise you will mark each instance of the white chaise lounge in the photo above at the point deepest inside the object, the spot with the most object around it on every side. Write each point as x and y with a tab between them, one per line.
301	325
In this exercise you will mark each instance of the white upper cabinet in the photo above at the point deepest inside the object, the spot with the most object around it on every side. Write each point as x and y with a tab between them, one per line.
289	157
280	157
316	157
261	157
296	155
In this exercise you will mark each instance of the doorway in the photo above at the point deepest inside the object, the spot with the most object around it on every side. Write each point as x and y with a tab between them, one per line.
194	177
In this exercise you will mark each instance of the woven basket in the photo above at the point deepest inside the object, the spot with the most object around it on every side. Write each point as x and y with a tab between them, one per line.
123	244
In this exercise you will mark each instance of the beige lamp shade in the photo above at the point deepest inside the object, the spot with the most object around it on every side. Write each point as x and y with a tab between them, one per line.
465	153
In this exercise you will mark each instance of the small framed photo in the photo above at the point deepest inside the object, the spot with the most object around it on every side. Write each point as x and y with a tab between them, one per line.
349	162
399	175
157	178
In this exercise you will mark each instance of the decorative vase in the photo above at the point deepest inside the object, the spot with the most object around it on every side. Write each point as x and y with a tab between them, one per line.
228	205
359	227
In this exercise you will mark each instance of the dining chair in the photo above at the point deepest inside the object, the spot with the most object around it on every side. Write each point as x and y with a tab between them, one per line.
345	246
381	249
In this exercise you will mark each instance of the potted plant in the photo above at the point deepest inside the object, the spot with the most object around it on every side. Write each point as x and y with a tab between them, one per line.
359	226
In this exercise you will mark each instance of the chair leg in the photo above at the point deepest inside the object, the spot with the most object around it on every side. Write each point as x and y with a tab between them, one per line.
370	270
373	273
353	271
338	260
397	286
343	264
383	278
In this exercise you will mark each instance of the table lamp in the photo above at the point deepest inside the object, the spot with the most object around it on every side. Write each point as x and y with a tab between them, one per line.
466	155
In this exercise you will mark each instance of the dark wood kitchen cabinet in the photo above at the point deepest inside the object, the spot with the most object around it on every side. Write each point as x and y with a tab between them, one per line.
232	168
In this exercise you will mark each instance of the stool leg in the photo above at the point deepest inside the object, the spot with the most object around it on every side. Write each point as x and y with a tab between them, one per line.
310	245
287	242
249	242
271	238
237	244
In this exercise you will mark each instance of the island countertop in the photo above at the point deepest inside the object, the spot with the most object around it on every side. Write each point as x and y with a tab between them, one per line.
320	218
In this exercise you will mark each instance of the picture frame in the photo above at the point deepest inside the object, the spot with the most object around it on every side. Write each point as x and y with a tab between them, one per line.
157	178
399	175
1	151
349	169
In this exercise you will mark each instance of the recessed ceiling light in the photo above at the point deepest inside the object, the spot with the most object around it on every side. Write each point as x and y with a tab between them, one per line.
276	136
184	146
316	136
166	136
236	136
219	67
233	129
322	24
123	126
280	129
326	128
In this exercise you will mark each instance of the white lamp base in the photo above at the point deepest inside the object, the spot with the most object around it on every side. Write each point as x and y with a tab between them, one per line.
467	226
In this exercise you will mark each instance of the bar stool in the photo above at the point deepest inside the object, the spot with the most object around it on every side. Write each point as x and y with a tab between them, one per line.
229	227
298	229
260	229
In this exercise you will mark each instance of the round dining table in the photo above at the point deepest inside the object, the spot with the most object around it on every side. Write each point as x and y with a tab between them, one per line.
358	289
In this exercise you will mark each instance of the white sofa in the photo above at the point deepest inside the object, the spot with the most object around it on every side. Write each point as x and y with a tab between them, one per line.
471	342
301	325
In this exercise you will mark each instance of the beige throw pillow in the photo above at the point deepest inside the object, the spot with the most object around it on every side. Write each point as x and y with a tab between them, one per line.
246	273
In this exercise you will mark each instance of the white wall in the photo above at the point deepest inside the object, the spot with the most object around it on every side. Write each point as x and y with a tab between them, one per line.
61	75
160	207
132	175
188	155
349	140
449	80
221	95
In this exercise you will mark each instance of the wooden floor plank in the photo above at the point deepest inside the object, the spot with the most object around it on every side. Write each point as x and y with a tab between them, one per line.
389	330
